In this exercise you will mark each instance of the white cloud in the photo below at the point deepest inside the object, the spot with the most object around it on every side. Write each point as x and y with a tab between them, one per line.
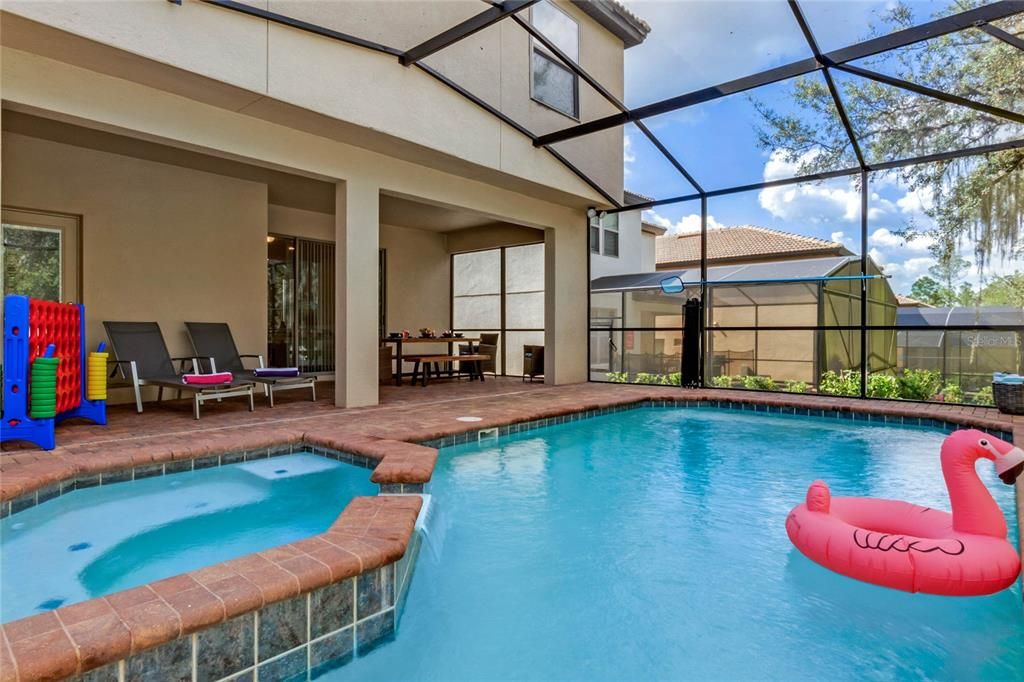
885	238
808	203
687	223
915	202
698	43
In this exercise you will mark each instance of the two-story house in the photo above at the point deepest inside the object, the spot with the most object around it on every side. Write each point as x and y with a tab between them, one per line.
313	173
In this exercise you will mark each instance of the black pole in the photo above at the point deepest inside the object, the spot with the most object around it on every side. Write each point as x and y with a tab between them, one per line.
703	287
863	283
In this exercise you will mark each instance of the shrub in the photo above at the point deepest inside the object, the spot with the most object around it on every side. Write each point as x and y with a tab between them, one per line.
883	386
722	381
618	377
983	397
952	393
673	379
797	387
759	382
846	382
919	384
647	378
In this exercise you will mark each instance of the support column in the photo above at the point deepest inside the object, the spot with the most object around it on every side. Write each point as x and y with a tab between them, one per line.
356	239
566	298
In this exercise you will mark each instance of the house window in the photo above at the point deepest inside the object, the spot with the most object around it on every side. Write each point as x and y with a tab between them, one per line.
595	235
610	228
554	85
39	255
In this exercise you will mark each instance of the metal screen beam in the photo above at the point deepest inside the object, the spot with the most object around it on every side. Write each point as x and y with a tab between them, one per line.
868	48
303	25
931	92
832	89
828	175
601	90
462	30
1000	34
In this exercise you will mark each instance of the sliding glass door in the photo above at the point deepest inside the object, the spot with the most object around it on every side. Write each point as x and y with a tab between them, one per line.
300	303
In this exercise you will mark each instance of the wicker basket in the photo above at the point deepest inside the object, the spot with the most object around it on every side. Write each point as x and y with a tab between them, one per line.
1009	398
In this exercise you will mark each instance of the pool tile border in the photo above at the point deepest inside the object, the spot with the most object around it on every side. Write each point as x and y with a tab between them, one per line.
135	473
475	435
101	638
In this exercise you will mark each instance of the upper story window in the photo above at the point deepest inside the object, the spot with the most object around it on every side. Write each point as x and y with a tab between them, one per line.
610	228
554	85
605	231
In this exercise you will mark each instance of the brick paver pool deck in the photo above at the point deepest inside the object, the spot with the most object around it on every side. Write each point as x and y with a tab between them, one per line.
371	532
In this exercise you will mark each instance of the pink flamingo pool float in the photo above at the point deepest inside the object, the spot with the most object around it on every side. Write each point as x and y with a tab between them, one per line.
918	549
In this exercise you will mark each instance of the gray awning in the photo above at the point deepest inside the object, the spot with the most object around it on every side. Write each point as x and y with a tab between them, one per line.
985	316
768	272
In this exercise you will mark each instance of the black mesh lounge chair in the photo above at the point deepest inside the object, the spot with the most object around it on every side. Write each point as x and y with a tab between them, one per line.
214	344
141	359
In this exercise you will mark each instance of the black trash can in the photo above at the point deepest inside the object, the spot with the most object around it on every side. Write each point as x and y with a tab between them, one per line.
533	362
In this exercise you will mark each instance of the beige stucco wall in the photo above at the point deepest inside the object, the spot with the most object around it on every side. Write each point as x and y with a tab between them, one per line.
418	278
371	99
159	242
297	222
56	89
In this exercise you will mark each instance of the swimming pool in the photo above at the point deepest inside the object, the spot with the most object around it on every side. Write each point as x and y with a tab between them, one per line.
96	541
651	544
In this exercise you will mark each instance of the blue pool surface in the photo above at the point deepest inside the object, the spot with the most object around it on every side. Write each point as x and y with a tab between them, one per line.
651	545
92	542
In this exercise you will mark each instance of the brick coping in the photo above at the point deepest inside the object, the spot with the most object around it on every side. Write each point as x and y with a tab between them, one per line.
370	531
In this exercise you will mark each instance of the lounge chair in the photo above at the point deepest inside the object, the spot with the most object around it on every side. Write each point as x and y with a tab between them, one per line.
141	359
214	344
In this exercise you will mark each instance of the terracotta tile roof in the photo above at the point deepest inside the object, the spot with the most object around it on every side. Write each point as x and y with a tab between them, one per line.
741	243
907	302
629	197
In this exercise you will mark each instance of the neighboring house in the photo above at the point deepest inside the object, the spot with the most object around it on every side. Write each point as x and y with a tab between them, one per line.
198	161
623	242
635	327
907	302
742	244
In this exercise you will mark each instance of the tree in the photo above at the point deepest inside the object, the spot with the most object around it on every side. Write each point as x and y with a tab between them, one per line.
1004	290
981	197
927	290
949	271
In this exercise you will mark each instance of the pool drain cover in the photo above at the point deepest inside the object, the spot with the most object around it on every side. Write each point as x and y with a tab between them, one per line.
79	546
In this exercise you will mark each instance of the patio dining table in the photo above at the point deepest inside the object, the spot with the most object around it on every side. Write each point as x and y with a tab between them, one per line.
399	342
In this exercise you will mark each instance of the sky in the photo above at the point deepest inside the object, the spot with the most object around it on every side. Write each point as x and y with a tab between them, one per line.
699	43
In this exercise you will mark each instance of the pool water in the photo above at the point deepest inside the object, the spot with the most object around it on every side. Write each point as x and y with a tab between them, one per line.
651	544
96	541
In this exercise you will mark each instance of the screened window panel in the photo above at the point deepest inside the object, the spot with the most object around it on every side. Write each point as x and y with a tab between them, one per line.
730	354
524	268
606	309
524	311
477	312
514	342
477	272
643	308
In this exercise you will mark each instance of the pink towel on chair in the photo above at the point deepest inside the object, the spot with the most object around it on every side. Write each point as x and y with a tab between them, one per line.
207	379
